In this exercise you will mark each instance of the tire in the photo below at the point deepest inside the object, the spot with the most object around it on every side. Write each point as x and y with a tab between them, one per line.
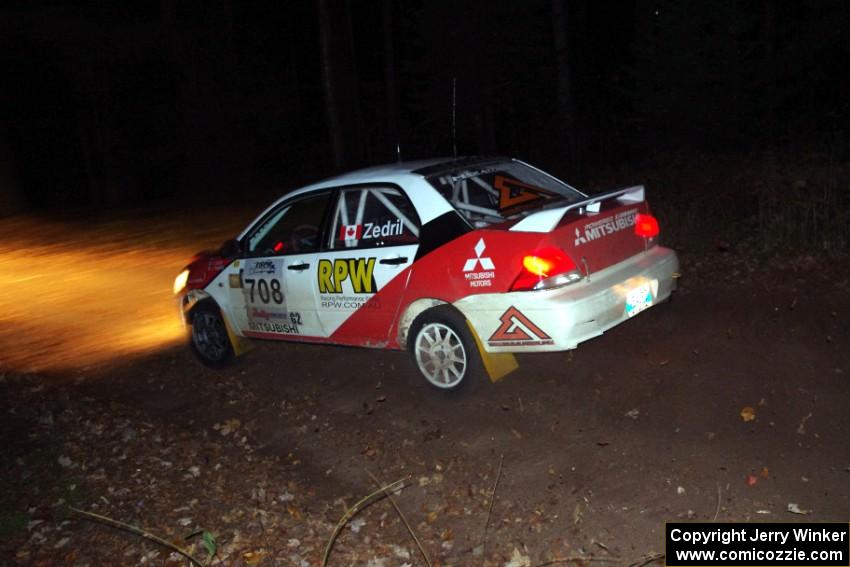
208	338
442	349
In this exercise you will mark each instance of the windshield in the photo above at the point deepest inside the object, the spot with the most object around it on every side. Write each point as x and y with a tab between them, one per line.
487	193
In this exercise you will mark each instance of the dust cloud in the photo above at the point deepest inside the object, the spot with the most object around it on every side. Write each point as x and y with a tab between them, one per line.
76	294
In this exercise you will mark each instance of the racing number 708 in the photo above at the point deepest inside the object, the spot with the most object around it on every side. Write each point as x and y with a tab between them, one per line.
267	292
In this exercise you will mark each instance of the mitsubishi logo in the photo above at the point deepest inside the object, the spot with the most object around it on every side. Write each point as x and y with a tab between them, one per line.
486	263
579	238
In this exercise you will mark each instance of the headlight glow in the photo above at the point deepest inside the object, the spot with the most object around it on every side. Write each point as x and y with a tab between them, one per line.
180	281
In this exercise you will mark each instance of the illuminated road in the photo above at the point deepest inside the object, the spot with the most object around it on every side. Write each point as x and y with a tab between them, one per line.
80	293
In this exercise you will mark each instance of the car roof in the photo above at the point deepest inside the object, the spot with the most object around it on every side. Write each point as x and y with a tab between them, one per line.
404	173
397	173
384	172
391	172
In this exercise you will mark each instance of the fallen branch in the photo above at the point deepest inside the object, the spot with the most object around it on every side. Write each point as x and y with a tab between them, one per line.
647	560
404	520
717	510
139	532
351	512
490	509
581	559
263	529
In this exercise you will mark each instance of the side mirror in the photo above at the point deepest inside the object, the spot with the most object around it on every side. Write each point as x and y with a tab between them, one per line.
231	249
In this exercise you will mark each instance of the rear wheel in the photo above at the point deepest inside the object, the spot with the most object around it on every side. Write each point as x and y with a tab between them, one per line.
443	350
209	339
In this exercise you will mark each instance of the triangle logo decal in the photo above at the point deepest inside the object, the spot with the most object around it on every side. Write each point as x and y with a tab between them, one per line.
518	330
513	193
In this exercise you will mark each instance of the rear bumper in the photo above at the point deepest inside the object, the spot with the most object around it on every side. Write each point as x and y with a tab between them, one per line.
560	319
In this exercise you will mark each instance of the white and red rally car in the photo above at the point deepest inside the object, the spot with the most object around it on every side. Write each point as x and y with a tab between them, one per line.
455	260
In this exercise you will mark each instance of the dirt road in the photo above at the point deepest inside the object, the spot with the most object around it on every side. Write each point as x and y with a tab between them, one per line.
728	403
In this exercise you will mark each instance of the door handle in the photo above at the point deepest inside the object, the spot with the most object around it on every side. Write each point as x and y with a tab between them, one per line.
395	261
298	267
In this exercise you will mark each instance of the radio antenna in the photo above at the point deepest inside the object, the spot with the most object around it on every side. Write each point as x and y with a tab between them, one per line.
454	116
398	152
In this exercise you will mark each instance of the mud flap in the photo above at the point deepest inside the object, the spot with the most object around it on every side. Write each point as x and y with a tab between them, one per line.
240	345
497	365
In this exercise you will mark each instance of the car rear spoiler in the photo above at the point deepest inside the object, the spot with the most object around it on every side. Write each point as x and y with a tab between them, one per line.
546	220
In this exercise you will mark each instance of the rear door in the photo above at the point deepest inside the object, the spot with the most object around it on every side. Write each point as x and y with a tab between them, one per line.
373	237
272	288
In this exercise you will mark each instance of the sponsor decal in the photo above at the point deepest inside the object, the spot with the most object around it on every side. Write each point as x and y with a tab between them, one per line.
370	230
358	272
275	322
274	327
350	232
515	194
518	330
264	314
604	227
482	277
389	228
262	267
348	302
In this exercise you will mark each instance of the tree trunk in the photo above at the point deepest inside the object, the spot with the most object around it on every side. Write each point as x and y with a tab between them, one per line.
389	75
566	133
355	148
194	140
329	84
769	48
10	198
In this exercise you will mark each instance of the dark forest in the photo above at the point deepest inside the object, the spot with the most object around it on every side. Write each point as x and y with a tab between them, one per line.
112	104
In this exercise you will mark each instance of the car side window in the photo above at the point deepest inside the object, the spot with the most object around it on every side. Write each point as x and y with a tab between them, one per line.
372	216
294	228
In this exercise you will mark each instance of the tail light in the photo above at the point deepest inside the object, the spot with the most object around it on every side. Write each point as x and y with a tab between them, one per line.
646	225
546	269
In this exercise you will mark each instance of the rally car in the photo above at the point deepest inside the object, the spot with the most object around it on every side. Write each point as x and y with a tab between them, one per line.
458	261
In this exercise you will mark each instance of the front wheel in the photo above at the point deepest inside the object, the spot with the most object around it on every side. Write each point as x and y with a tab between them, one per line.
209	339
443	350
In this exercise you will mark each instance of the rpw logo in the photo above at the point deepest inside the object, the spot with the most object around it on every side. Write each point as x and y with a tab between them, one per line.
486	263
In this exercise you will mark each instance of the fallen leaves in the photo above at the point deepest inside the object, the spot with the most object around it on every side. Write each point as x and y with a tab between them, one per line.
801	429
228	427
793	508
753	479
294	512
518	559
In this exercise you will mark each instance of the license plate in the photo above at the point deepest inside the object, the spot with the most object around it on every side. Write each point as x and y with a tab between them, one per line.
638	299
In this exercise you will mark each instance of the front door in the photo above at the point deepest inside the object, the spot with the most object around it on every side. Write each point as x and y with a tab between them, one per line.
273	287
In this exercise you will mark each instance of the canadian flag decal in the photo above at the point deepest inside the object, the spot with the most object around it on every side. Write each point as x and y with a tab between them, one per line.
518	330
350	232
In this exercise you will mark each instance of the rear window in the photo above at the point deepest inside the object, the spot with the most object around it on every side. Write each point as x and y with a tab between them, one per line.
491	193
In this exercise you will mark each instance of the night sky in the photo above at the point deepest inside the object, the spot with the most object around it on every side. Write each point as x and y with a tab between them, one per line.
119	103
